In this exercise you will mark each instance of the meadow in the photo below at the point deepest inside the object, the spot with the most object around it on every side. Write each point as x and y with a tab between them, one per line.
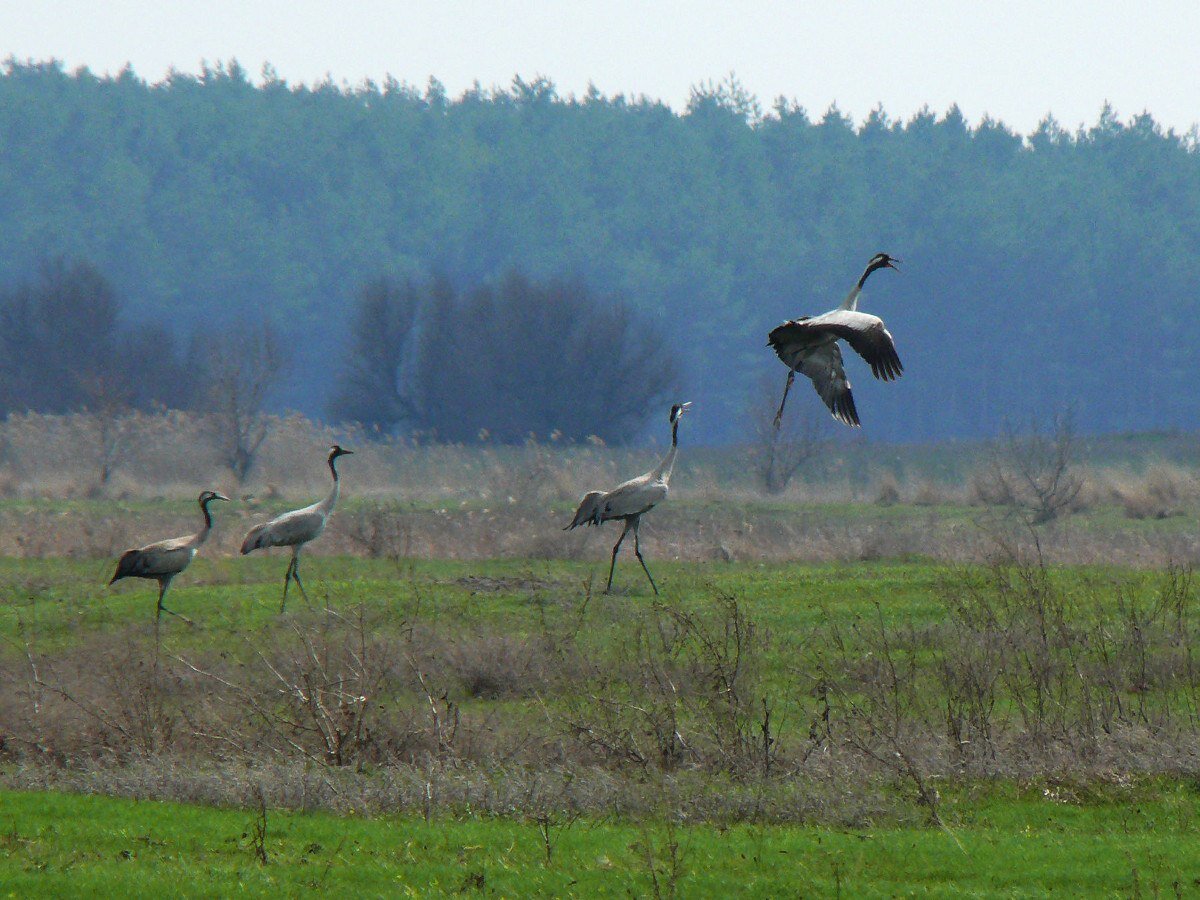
879	727
883	684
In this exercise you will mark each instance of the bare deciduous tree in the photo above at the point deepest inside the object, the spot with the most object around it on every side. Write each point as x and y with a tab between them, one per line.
777	454
240	374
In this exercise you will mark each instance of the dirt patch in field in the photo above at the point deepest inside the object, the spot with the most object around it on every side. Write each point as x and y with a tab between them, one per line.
509	584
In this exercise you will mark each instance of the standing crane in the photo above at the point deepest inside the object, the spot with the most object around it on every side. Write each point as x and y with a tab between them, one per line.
296	528
809	345
163	560
631	500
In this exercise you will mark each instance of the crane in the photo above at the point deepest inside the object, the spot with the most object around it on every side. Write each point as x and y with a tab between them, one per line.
631	500
163	560
809	345
296	528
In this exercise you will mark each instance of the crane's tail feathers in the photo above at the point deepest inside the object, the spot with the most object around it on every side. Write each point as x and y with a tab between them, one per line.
590	508
127	565
257	538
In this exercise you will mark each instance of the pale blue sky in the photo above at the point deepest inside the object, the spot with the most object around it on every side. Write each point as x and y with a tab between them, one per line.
1015	60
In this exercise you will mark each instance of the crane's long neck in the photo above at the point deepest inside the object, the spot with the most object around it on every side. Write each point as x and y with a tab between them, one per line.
851	301
663	472
332	498
202	534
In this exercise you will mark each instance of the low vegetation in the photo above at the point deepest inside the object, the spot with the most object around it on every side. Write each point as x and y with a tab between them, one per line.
828	694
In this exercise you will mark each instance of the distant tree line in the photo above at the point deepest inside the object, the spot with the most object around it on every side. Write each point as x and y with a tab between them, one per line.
63	347
502	361
505	360
66	348
1038	270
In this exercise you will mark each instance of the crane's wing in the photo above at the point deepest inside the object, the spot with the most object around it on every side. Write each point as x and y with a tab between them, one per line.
864	332
633	497
161	558
296	527
589	510
824	367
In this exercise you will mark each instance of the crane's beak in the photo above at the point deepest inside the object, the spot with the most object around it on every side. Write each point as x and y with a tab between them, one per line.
683	406
217	496
891	261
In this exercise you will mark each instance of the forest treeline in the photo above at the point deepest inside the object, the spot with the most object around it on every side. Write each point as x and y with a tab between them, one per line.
1038	271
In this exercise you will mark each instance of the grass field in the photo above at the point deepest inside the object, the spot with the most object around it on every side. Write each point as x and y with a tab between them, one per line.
1138	841
870	728
694	528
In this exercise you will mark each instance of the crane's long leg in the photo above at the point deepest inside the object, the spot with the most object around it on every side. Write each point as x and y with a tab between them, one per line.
287	577
637	550
162	590
787	387
613	565
296	577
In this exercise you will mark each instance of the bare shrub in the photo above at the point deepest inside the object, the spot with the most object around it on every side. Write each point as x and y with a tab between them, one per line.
986	489
1162	492
875	700
887	490
319	696
1034	473
493	667
686	693
663	857
1076	671
929	493
117	703
379	529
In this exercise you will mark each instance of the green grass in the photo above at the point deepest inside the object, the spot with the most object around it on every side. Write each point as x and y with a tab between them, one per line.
1140	841
61	604
68	597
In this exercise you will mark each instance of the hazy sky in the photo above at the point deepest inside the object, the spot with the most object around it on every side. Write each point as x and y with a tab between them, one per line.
1014	59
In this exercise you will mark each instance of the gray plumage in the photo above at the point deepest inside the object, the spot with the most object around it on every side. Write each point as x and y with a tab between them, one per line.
808	345
163	560
629	501
296	528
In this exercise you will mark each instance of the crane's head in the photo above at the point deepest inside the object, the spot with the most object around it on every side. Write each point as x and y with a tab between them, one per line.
677	411
882	261
335	451
208	496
